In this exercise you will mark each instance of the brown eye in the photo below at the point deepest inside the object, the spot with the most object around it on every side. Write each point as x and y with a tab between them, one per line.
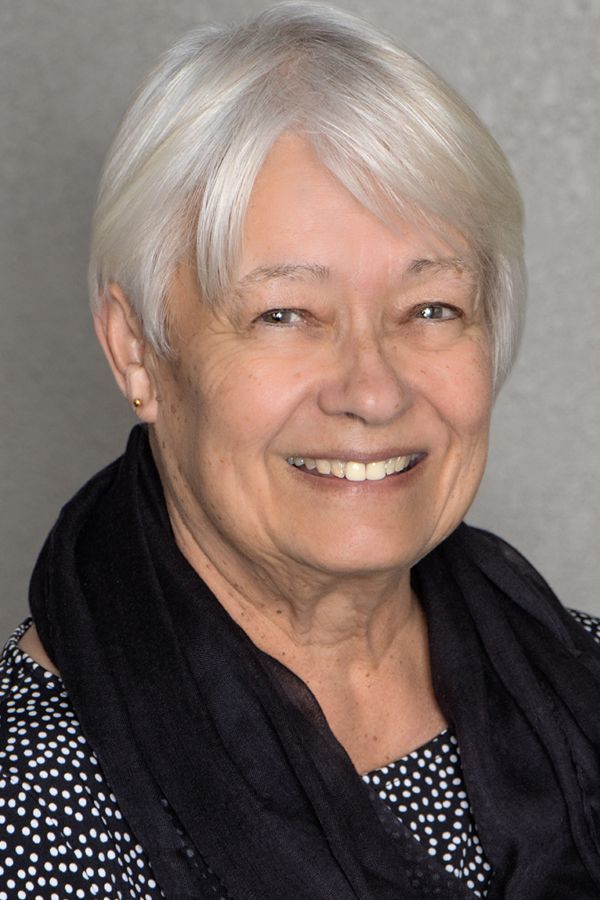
438	312
280	317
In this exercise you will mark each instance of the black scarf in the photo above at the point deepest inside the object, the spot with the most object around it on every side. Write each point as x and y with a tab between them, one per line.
221	758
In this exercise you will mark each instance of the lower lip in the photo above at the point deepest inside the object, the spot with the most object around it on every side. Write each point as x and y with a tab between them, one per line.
396	480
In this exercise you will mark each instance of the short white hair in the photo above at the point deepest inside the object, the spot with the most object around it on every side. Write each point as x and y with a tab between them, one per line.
179	174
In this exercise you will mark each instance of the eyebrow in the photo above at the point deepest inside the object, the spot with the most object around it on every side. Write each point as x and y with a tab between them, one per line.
455	263
291	271
317	272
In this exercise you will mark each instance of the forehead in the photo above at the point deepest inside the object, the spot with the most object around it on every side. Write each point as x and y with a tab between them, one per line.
303	223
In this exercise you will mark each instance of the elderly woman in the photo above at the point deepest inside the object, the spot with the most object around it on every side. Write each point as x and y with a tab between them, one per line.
268	660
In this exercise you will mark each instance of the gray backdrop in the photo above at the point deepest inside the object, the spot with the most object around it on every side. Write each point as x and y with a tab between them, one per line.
67	69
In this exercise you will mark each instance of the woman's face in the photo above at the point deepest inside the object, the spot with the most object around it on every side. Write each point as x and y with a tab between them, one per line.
352	346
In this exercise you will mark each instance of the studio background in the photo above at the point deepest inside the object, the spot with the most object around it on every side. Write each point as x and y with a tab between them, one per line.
67	71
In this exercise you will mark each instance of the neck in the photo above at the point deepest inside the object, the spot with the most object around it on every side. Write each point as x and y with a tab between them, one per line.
349	617
357	640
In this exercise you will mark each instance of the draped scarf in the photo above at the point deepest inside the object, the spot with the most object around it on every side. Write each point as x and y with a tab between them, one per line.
222	760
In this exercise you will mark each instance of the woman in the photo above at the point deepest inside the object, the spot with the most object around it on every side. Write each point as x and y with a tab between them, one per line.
307	280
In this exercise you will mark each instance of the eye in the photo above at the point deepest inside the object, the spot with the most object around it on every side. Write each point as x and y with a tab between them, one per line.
438	312
281	317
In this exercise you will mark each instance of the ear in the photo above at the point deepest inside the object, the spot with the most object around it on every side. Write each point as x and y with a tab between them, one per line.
120	334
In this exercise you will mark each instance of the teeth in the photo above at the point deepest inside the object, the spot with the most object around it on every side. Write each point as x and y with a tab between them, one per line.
375	471
354	471
337	468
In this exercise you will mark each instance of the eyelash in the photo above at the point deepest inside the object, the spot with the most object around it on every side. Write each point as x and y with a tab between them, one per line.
279	313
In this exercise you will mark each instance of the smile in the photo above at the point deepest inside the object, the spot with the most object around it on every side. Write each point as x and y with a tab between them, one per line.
357	471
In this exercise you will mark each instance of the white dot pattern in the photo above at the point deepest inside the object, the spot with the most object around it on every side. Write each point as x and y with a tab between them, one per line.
426	791
62	834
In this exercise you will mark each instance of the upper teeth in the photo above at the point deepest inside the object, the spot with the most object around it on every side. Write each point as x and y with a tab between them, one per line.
354	471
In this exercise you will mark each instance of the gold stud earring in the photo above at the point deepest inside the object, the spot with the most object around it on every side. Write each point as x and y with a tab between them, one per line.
137	403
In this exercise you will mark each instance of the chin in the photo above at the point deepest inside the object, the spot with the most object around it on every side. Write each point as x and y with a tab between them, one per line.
362	552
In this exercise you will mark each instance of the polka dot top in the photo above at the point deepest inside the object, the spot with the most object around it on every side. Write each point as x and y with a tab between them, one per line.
426	791
62	833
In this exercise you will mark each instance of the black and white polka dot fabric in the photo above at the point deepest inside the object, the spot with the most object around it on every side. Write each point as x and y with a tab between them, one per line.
61	831
62	834
426	791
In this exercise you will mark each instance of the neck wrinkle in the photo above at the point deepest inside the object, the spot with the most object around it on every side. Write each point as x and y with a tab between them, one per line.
353	619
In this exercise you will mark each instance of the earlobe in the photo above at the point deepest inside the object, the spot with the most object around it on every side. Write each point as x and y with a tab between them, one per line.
120	334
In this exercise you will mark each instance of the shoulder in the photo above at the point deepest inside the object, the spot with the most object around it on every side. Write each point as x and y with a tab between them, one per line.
32	647
489	546
587	621
61	830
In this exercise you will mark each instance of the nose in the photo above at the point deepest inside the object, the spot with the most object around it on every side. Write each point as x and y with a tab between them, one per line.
366	380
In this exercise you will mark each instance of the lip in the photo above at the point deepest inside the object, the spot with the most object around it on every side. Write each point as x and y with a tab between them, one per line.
349	455
350	484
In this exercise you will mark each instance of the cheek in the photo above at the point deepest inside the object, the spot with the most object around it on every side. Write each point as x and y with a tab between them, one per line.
476	389
240	403
459	386
471	406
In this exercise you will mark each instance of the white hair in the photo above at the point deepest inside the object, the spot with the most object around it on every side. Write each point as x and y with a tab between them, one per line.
178	177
